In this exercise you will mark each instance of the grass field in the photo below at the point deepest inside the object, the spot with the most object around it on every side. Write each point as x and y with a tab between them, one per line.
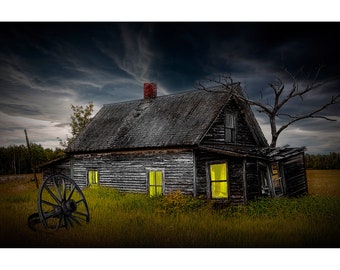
324	182
135	220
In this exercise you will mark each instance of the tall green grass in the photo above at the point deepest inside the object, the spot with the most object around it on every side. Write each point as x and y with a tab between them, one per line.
136	220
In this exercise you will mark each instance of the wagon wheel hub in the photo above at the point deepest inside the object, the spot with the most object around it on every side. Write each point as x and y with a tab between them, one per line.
69	206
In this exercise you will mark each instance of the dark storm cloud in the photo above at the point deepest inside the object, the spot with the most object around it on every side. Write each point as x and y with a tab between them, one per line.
45	67
63	125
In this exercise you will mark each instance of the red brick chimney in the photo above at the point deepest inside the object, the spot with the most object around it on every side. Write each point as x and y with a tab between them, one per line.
150	90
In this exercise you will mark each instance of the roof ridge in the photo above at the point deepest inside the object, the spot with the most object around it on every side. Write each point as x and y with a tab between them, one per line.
216	89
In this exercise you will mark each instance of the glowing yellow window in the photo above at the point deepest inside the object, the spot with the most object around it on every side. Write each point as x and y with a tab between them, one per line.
219	181
155	183
92	177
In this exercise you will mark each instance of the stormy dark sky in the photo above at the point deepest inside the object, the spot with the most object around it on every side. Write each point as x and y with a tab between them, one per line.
46	67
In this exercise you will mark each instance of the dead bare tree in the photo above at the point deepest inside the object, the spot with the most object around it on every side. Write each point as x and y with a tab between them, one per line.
279	100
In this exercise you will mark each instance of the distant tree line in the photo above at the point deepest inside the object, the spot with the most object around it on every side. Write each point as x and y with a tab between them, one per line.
323	162
15	159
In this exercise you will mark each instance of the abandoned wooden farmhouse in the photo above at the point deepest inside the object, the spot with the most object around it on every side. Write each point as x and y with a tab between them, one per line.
201	142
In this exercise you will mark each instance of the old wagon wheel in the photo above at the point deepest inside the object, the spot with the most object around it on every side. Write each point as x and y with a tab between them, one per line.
61	203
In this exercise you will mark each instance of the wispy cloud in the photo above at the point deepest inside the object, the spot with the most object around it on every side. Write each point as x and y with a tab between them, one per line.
40	131
137	55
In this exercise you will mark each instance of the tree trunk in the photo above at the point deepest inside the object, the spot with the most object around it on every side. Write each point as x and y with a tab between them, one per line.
273	130
274	140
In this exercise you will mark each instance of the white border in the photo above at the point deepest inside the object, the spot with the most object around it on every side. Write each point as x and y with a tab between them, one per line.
175	10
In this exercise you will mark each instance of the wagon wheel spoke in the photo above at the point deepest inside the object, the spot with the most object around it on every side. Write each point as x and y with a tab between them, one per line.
52	194
71	193
59	223
52	214
82	200
49	203
75	219
81	216
66	222
58	191
64	190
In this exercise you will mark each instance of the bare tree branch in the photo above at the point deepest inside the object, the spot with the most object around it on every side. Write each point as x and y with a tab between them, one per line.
334	100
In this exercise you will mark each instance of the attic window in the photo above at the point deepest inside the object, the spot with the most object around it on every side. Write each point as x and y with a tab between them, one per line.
230	128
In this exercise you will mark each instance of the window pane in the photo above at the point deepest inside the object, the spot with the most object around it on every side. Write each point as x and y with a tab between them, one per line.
218	171
229	135
152	178
152	191
158	178
230	120
230	128
219	190
95	177
159	190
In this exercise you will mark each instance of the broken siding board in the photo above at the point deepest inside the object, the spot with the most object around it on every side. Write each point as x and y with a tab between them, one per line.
295	175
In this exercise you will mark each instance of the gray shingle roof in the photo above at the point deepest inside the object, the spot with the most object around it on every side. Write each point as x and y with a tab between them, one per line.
166	121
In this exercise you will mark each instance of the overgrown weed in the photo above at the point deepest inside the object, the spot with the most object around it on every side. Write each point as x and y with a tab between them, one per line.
176	202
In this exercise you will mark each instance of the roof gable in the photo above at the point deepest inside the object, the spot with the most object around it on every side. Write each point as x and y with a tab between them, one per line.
172	120
252	124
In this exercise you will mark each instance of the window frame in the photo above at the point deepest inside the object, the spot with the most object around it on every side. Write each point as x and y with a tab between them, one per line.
88	177
154	169
230	126
209	181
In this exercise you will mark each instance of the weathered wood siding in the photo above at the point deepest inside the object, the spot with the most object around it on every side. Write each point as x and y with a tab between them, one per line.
236	186
129	171
216	133
62	167
252	180
295	175
235	174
